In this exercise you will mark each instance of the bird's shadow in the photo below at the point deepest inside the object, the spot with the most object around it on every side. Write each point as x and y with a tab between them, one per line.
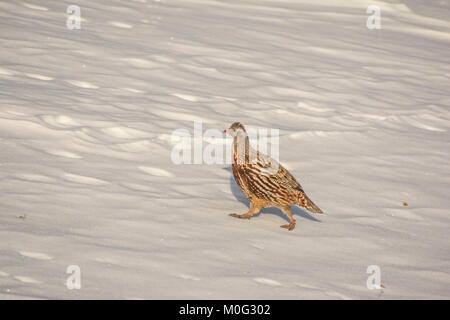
239	195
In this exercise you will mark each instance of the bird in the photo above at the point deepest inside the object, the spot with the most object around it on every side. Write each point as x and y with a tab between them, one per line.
264	181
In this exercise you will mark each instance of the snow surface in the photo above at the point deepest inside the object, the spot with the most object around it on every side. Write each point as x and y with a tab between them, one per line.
86	176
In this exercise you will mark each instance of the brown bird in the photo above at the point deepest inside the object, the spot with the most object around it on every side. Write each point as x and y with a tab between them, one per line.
264	182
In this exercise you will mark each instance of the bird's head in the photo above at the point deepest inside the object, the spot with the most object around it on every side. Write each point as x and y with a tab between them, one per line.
236	129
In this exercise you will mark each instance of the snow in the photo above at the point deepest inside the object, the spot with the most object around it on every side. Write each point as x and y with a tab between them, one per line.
86	176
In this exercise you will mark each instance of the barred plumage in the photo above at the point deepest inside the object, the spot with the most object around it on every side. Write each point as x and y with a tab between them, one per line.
264	181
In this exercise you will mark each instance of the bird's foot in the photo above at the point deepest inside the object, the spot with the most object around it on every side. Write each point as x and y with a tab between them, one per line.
289	226
241	216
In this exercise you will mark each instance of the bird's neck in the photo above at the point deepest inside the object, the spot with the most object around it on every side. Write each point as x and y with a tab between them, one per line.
241	149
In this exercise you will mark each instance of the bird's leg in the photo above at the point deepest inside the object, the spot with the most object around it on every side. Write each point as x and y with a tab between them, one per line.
254	209
287	210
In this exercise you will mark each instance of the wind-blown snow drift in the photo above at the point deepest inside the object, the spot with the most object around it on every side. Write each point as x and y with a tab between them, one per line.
86	178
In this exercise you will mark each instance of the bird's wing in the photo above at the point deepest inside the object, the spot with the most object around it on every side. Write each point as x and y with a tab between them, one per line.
270	181
276	171
285	178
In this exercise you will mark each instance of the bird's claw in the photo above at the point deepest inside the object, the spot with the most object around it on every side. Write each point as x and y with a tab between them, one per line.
289	226
240	216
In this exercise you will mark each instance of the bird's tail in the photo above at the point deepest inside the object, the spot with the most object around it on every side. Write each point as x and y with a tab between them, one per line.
311	206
